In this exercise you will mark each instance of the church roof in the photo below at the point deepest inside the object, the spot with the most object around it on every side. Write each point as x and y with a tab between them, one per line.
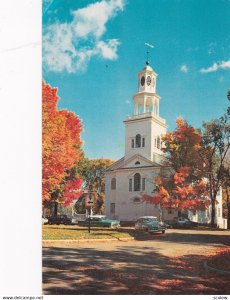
129	163
147	68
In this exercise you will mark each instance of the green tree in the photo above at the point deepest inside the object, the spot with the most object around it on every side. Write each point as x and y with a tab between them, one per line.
215	153
92	172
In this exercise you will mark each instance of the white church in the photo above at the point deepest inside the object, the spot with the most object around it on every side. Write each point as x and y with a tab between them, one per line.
134	174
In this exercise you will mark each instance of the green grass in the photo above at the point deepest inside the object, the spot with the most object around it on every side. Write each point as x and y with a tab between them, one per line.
74	232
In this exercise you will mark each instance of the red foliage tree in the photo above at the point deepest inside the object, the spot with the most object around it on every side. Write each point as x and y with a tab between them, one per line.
60	149
179	192
184	188
182	146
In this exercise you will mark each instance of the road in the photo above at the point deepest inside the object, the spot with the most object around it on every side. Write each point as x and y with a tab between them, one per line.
163	264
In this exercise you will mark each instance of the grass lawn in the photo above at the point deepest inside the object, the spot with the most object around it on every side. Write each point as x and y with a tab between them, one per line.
74	232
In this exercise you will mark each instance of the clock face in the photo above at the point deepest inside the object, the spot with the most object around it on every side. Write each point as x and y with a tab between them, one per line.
148	80
142	80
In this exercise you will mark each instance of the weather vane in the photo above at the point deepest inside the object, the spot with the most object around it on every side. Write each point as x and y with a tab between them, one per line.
148	47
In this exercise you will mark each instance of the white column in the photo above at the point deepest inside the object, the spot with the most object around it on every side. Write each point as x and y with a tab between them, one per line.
154	107
144	104
158	107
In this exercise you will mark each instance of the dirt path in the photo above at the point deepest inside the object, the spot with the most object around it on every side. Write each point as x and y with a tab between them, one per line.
170	264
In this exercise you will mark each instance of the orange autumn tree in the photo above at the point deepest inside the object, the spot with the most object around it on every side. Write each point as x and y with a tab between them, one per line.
183	188
60	150
178	192
182	146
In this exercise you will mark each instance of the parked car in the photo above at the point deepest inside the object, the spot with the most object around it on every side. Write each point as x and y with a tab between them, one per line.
181	223
74	219
60	219
100	221
150	224
44	221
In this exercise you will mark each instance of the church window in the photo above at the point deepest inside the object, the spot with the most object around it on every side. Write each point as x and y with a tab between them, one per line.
113	184
112	208
130	184
137	182
137	163
143	184
158	142
132	143
138	141
143	142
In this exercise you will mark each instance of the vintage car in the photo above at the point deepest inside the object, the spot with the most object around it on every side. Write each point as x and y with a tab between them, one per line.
181	223
59	219
100	221
150	224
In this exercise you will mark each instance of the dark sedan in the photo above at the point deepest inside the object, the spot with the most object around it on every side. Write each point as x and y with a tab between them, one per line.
150	224
181	223
59	219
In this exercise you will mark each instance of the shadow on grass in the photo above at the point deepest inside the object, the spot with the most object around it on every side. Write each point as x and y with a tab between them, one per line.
133	270
194	236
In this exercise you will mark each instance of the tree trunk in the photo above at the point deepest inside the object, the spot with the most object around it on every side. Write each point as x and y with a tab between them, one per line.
213	212
55	209
228	215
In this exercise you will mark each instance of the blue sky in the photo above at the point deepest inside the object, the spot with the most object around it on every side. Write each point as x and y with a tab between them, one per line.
93	50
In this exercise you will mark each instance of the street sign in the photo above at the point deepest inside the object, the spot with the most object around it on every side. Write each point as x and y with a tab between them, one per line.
89	200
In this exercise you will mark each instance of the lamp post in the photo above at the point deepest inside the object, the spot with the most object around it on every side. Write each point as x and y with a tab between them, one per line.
91	194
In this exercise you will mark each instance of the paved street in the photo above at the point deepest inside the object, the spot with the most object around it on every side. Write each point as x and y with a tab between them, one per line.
163	264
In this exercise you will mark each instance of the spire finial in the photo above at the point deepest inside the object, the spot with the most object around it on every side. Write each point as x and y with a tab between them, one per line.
147	52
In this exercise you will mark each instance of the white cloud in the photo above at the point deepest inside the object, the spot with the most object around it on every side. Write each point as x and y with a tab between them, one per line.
92	19
108	50
217	66
70	46
184	68
127	101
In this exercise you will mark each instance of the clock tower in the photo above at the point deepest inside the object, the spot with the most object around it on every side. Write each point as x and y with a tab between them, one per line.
145	127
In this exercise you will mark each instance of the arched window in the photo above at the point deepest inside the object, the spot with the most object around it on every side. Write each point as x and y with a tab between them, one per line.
137	182
158	142
137	163
113	184
138	141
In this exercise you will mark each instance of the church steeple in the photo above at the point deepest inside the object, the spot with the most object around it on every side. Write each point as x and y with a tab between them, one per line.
146	99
